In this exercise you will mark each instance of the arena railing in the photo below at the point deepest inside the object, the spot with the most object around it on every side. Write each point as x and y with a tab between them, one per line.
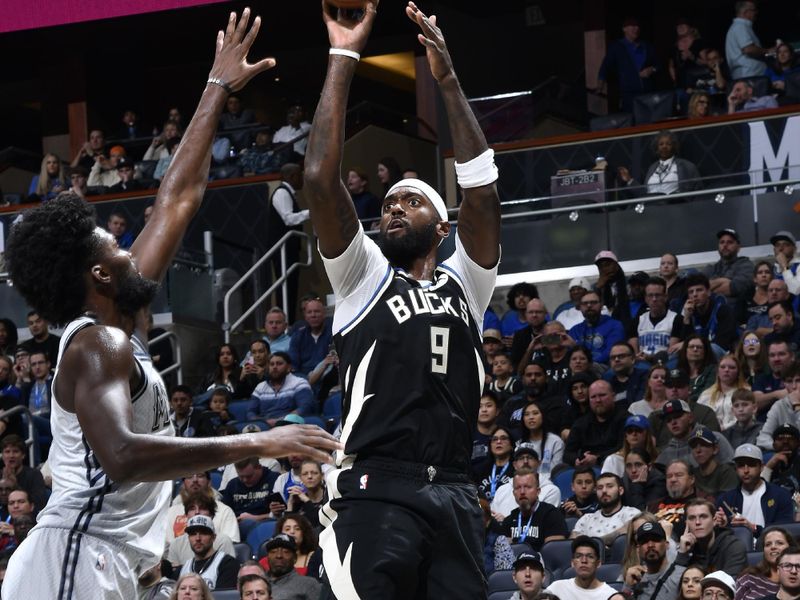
174	341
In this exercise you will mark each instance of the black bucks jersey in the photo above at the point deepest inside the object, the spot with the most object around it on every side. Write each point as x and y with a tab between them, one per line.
410	356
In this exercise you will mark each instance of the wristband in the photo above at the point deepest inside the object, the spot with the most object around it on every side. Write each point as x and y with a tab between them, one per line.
348	53
477	172
220	83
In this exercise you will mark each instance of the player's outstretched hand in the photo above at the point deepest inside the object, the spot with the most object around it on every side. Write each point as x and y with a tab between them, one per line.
306	440
433	40
348	34
233	44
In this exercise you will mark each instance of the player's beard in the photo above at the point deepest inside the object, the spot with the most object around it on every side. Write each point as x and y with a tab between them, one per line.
402	251
135	292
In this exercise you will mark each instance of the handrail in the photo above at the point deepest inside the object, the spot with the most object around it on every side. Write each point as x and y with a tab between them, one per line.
176	348
280	246
31	428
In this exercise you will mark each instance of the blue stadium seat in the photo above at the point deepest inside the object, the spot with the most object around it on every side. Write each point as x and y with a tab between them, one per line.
243	551
501	581
745	536
238	409
570	522
563	481
216	479
260	534
753	558
314	420
618	549
557	556
225	594
520	548
498	596
332	407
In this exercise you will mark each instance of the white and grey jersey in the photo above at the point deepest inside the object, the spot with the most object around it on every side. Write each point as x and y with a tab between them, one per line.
84	499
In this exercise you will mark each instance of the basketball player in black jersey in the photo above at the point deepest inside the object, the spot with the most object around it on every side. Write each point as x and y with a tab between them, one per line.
113	448
404	521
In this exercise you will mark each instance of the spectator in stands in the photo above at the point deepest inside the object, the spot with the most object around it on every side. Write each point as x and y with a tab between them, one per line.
50	181
286	582
783	410
783	468
632	61
281	393
78	176
746	429
711	475
612	286
368	205
254	586
217	569
171	145
185	419
676	284
131	127
20	475
654	325
296	126
36	396
755	304
10	396
697	360
598	332
656	393
308	496
762	579
705	314
498	468
525	457
643	484
526	337
22	369
569	313
784	326
248	492
637	436
699	106
236	118
126	181
583	500
670	173
310	344
104	170
687	55
389	173
528	574
718	585
656	577
742	99
157	148
41	339
785	64
751	356
256	366
549	446
680	486
199	503
307	560
680	422
599	433
629	383
784	247
533	522
788	574
690	583
768	385
90	149
719	396
612	519
275	327
517	299
504	383
585	585
227	372
191	586
716	78
262	158
732	275
709	546
117	226
20	504
488	412
580	361
742	46
217	414
774	503
8	337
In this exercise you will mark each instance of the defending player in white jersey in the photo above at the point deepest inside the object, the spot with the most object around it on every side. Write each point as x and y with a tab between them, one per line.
112	453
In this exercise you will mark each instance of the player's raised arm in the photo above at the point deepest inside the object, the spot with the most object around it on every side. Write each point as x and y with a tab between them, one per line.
184	183
332	212
479	216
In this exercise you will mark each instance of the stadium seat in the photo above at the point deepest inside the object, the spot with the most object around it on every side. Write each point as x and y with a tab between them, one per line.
520	548
238	409
607	573
314	420
612	121
745	536
501	581
656	106
499	596
216	479
753	558
563	481
557	556
570	522
618	549
260	534
243	551
225	594
793	86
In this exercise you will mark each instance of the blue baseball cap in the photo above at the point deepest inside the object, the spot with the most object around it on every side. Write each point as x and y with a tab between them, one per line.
638	421
703	434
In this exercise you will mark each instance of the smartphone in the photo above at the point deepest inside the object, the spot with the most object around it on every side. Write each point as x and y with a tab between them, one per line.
551	339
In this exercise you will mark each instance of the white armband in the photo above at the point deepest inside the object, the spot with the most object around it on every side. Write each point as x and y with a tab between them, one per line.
479	171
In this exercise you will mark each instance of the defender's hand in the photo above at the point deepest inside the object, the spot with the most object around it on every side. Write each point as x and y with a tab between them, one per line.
230	61
433	40
346	33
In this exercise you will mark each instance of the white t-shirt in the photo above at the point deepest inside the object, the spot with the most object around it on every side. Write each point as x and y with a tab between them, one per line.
751	505
567	589
597	525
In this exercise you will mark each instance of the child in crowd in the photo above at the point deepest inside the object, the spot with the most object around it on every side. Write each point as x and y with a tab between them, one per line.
583	500
505	383
488	412
217	413
746	428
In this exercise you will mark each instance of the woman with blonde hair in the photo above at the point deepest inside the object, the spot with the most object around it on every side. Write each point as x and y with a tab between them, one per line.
191	587
699	105
51	179
719	396
655	396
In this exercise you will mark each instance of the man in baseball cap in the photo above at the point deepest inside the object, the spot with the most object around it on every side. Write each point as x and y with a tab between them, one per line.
569	313
783	468
285	581
651	545
681	424
784	245
677	388
528	573
774	505
711	475
732	275
612	286
217	569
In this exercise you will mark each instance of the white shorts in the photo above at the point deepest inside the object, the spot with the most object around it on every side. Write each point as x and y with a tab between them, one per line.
62	565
